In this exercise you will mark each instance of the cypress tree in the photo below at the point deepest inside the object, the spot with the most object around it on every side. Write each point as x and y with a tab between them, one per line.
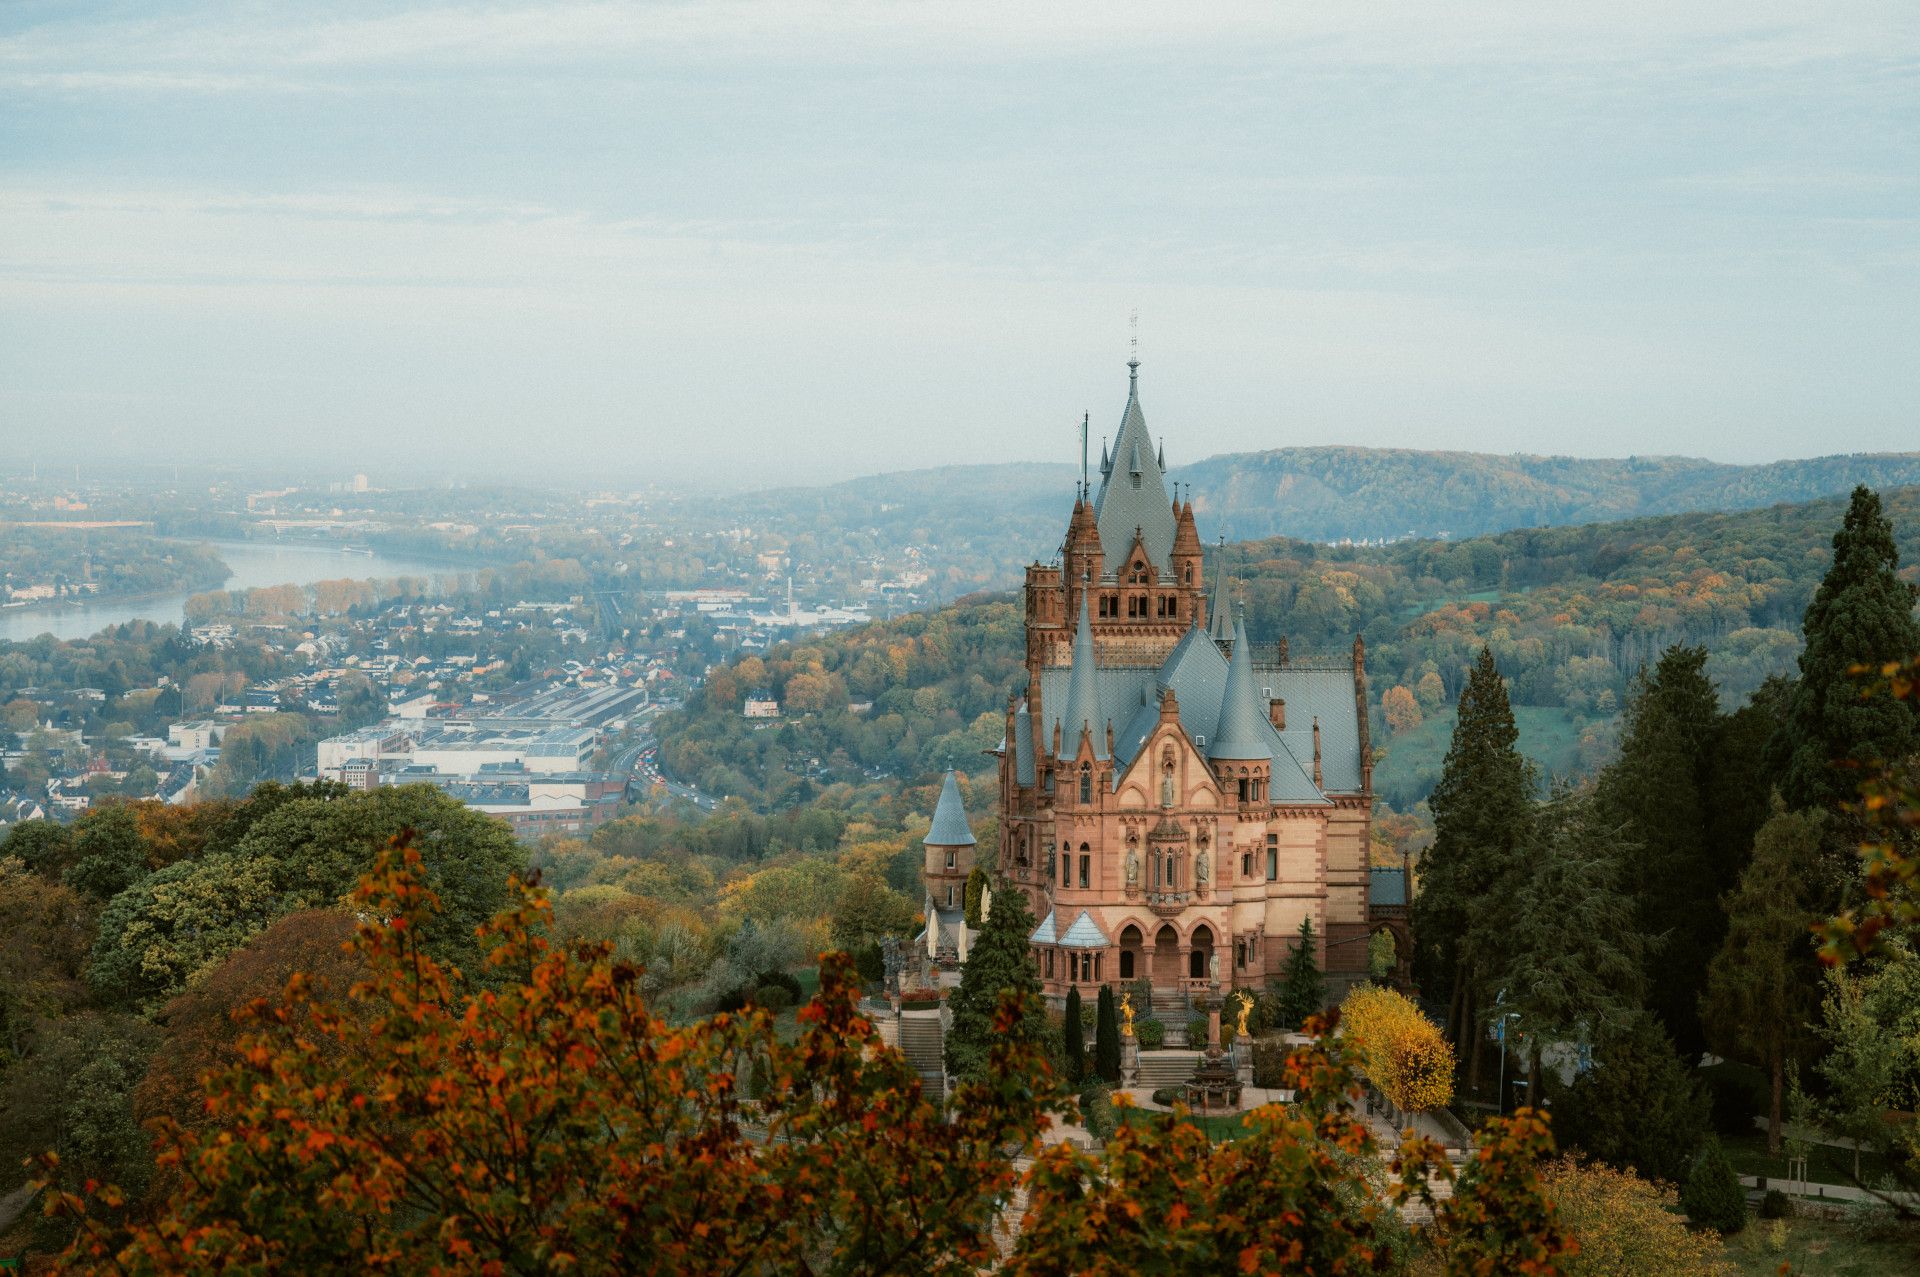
1076	1039
1657	794
1481	812
999	961
1106	1037
1861	614
1302	990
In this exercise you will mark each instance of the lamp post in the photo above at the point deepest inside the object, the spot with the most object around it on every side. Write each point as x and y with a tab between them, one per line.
1500	1036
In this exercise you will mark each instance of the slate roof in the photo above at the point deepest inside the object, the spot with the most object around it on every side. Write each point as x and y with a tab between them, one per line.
1218	623
1085	709
1238	736
1387	887
1196	670
1085	933
1133	490
950	828
1045	932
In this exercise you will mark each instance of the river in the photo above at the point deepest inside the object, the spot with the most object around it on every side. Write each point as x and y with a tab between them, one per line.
254	563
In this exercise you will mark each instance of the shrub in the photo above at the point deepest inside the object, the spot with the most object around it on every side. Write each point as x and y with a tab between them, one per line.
1197	1031
1075	1049
1775	1205
920	1000
1624	1225
771	997
1151	1034
1102	1119
1269	1062
1713	1197
1169	1095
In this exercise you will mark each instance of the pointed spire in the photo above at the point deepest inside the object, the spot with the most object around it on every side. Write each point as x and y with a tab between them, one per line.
1242	733
1160	459
1083	689
1217	623
1134	489
950	827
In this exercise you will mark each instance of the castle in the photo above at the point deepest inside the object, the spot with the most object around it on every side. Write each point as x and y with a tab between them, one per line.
1172	802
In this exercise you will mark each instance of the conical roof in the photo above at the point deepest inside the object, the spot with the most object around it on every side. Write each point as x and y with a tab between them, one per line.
1244	733
1133	492
1217	623
1083	692
950	828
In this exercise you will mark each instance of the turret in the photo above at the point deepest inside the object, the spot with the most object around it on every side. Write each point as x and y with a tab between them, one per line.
1219	624
950	847
1240	748
1188	558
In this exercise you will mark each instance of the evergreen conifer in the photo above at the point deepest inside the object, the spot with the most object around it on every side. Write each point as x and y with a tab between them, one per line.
1713	1197
1106	1037
1481	813
1861	614
1657	793
1637	1108
1076	1039
971	895
998	962
1302	992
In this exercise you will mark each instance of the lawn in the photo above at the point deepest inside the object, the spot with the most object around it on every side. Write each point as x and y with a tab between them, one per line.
1825	1164
1820	1248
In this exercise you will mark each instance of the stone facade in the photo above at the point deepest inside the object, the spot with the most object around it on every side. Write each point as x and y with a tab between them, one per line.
1172	801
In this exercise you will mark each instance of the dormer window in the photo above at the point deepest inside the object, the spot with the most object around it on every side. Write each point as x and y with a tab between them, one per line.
1136	481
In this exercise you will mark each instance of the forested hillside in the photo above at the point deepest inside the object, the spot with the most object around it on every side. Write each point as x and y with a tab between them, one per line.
1330	494
1570	613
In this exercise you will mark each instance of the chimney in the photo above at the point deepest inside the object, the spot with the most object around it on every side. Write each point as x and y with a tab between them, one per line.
1277	713
1316	751
1283	651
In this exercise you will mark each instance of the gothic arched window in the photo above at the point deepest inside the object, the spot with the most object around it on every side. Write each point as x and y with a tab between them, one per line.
1086	784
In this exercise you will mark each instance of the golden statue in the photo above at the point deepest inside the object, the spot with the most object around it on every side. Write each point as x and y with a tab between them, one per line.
1126	1012
1246	1006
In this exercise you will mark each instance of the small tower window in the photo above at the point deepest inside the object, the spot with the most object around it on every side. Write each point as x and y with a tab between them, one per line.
950	855
1086	784
1086	869
1136	480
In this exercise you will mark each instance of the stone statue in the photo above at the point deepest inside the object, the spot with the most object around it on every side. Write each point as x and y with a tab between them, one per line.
1213	966
1133	867
1246	1007
890	954
1166	790
1202	868
1126	1015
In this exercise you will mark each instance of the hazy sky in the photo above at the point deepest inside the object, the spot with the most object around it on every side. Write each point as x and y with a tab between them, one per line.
806	240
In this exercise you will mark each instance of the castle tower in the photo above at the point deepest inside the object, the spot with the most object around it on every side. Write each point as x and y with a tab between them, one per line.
950	847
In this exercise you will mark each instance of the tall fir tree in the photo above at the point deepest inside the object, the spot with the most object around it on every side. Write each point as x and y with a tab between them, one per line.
1658	792
1862	614
1303	990
1076	1044
1482	809
998	962
1566	982
1763	988
1106	1037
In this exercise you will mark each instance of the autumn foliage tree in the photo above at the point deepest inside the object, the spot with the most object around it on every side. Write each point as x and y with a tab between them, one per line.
1401	1051
547	1120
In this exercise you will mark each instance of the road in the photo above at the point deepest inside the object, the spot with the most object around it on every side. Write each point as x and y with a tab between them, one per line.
640	763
